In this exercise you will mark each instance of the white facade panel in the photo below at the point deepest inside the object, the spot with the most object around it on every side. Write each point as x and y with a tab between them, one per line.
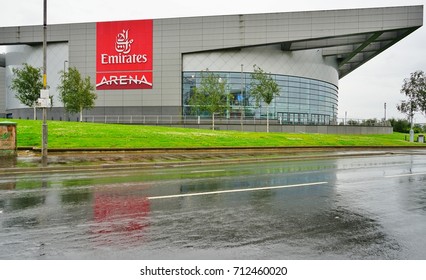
310	64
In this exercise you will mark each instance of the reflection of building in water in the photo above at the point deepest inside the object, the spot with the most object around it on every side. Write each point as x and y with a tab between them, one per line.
114	213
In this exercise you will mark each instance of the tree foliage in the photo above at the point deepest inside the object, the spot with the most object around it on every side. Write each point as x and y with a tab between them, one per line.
76	93
27	83
414	88
400	125
263	89
403	126
210	96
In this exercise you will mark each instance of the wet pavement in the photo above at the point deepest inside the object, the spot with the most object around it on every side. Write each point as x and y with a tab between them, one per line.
363	207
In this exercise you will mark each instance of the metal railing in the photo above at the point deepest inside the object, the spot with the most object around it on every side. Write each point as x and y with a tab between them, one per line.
198	120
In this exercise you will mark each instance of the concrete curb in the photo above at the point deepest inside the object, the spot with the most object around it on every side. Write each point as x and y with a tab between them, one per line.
182	149
267	156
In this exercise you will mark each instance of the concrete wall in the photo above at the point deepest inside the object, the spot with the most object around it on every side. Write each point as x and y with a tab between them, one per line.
320	129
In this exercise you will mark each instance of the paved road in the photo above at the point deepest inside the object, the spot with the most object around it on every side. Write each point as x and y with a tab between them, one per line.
368	207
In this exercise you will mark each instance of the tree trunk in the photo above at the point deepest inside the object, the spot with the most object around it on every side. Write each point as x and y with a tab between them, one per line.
242	119
35	112
81	114
411	127
212	121
267	118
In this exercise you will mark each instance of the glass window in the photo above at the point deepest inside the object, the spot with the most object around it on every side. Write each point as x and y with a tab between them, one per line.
301	99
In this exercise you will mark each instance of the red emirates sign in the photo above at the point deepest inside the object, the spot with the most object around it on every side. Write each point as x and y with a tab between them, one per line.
124	55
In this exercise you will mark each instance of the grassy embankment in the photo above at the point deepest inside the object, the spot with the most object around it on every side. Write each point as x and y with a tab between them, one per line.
89	135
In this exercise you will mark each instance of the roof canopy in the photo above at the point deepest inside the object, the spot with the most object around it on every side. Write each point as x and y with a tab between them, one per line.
352	50
350	37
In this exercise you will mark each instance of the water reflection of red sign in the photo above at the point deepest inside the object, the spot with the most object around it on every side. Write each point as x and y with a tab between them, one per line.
125	214
124	55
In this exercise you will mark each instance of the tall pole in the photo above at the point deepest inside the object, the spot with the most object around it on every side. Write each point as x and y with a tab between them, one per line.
385	111
411	123
242	100
44	127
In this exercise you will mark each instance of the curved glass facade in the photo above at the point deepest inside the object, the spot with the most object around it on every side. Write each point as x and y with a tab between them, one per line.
301	100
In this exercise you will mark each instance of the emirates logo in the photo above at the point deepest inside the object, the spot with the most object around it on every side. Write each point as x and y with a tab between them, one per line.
124	55
123	44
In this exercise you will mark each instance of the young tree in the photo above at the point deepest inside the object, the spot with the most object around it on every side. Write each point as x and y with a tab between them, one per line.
408	108
415	90
76	93
263	89
210	96
27	83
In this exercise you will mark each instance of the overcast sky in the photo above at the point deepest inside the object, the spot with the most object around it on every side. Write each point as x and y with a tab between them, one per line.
362	93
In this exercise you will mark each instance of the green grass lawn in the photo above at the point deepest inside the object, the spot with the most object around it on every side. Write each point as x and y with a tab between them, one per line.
93	135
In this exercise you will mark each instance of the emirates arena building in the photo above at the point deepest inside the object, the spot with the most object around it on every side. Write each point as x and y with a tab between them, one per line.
146	70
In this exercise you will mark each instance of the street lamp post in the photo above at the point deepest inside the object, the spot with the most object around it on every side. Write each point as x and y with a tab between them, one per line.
44	92
385	110
241	101
411	127
65	65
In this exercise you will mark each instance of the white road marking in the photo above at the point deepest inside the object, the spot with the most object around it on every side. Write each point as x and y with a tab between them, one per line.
404	175
207	171
237	190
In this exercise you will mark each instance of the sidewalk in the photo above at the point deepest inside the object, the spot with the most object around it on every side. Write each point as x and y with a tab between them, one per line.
28	161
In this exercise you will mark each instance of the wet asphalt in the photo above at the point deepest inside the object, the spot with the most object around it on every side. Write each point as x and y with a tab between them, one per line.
363	206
